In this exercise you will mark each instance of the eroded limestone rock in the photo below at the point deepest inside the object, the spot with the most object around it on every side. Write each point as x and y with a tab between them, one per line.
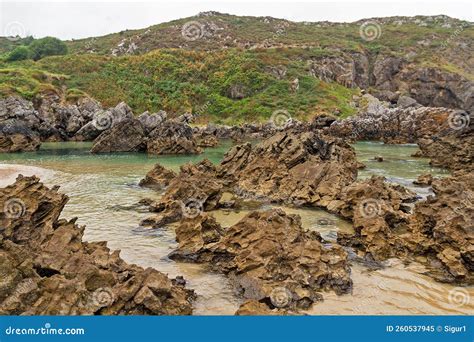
46	268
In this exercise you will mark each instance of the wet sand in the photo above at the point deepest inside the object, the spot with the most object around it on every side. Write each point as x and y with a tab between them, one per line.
9	172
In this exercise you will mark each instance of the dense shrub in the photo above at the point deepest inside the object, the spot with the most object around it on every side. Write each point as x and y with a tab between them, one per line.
19	54
48	46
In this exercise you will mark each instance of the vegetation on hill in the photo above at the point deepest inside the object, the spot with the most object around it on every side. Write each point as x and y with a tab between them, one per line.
238	69
181	81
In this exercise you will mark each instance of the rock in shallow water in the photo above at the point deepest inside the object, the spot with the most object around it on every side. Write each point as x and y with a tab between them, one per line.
157	178
125	136
268	257
46	268
302	168
172	137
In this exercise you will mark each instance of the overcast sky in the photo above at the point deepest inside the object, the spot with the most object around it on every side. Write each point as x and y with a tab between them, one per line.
73	19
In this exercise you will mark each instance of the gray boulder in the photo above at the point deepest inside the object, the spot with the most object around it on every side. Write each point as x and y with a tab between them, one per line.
126	136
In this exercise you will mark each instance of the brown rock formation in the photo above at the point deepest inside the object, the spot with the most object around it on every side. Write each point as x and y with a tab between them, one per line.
452	148
302	168
207	141
46	268
172	137
424	179
157	178
378	210
268	256
193	190
442	228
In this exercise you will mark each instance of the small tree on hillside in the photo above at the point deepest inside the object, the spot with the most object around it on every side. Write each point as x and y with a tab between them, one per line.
20	53
48	46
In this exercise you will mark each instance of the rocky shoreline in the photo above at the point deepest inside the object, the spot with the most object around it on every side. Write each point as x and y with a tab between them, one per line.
47	269
272	262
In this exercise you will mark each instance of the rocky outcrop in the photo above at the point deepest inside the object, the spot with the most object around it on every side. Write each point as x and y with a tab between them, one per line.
248	131
398	76
172	137
253	307
378	211
46	268
268	257
157	178
152	121
207	141
451	148
125	136
195	189
439	229
442	229
424	179
16	136
302	168
376	121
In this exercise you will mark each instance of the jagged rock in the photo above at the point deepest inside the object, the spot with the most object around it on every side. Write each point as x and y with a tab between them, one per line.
172	137
424	179
451	148
268	256
195	189
125	136
442	228
46	268
17	108
378	210
157	178
392	125
103	120
302	168
194	234
16	136
207	141
88	132
322	121
152	121
255	308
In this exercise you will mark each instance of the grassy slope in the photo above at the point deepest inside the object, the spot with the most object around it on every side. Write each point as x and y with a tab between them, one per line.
198	76
179	81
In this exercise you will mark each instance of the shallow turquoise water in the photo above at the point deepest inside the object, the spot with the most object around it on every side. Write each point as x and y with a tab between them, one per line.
103	193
